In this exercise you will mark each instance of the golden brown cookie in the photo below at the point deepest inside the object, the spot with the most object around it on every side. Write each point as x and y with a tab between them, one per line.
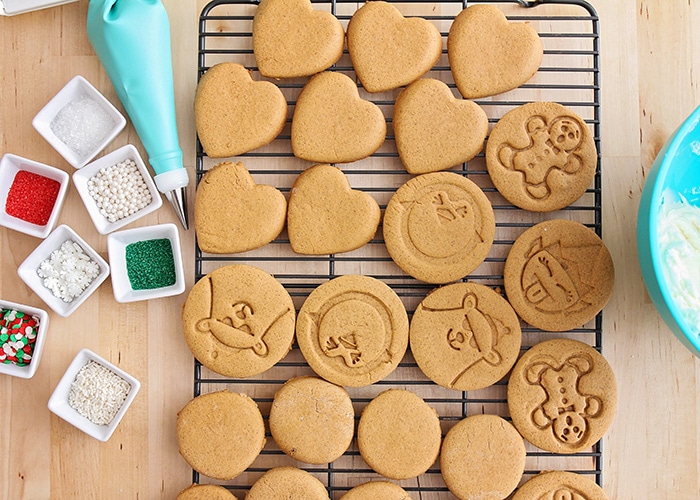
234	214
333	124
326	215
482	456
291	39
206	492
388	50
554	485
541	156
439	227
353	330
238	321
285	483
434	130
399	434
562	395
235	114
220	434
465	336
489	55
376	489
312	420
558	275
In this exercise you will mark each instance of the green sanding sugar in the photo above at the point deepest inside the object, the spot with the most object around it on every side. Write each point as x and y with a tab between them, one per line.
150	264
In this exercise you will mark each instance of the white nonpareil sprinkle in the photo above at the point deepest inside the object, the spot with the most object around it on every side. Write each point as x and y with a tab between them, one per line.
68	271
119	190
82	125
97	393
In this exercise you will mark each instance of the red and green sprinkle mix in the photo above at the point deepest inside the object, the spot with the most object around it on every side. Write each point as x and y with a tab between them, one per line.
32	197
18	332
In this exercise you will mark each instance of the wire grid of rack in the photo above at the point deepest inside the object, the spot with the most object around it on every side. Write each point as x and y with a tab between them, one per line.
569	75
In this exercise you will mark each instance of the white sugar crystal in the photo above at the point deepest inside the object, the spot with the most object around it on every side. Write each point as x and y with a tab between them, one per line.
82	125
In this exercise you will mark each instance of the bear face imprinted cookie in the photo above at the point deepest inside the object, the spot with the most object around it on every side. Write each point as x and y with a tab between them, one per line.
292	39
560	485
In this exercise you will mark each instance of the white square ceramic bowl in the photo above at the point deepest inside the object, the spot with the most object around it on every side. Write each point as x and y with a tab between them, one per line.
58	402
83	175
28	371
75	88
116	246
9	166
12	7
28	270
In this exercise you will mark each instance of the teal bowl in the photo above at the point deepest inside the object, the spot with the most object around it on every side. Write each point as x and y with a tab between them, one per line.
675	175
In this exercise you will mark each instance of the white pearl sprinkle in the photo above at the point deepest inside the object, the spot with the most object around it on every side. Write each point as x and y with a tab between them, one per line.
119	190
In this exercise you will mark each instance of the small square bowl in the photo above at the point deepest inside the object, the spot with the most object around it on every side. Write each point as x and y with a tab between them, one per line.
77	88
10	165
59	400
83	175
28	371
28	270
117	243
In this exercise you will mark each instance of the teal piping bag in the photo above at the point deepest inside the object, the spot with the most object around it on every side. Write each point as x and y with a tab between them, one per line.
132	40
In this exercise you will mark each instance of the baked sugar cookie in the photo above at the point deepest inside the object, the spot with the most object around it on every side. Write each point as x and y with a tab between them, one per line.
235	114
389	50
560	484
291	39
439	227
206	492
353	330
285	483
238	321
434	130
376	489
489	55
562	395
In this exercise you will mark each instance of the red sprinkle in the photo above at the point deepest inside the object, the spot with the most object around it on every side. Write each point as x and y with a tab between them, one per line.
32	197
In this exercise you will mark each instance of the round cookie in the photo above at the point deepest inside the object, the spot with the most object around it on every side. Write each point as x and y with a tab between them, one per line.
284	483
206	492
312	420
560	484
399	434
439	227
465	336
353	330
434	130
558	275
482	456
238	321
234	214
220	434
541	156
562	395
376	489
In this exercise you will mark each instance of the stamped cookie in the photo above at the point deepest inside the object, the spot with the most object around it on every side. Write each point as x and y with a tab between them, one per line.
558	275
220	434
234	214
562	395
434	130
235	114
206	492
482	456
353	330
388	50
376	489
465	336
489	55
291	39
399	434
333	124
439	227
326	215
285	483
541	156
312	420
555	485
238	321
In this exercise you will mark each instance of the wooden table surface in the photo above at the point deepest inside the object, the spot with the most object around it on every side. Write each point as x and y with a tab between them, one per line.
650	72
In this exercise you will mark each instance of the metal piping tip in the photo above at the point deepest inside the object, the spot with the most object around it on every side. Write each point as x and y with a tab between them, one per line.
178	199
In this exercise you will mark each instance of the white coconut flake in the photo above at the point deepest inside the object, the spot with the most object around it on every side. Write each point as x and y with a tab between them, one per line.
97	393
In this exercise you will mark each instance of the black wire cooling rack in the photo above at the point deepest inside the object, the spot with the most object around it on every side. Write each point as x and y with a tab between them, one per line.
569	75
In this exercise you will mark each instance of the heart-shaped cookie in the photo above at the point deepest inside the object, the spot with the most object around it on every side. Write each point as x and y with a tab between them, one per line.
234	214
488	54
326	215
333	124
434	130
235	114
291	39
389	50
